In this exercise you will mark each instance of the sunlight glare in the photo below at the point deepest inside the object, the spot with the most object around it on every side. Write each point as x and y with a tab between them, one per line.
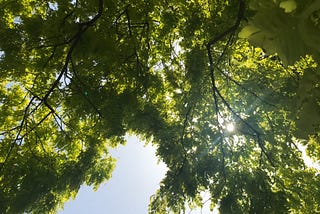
230	127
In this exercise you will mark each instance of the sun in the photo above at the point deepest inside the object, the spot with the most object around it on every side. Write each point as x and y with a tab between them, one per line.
230	127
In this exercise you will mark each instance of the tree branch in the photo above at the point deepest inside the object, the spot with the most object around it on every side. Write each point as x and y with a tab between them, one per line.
216	93
18	137
243	87
73	42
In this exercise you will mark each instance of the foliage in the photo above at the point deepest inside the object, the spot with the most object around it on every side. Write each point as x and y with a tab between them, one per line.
291	29
76	76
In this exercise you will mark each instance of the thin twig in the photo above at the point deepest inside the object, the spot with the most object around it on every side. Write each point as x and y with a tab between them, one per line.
17	138
243	87
82	92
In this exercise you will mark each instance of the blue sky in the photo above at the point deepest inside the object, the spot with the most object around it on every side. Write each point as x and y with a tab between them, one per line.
136	177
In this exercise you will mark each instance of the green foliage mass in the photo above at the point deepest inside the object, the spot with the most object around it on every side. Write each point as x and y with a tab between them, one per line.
77	76
287	27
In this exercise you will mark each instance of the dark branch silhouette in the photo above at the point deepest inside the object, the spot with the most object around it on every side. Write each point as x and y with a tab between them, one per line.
215	91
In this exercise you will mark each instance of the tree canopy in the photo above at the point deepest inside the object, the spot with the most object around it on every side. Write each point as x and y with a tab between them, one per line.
228	92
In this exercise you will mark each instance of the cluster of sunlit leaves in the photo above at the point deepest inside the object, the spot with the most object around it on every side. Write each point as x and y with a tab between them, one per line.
227	118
